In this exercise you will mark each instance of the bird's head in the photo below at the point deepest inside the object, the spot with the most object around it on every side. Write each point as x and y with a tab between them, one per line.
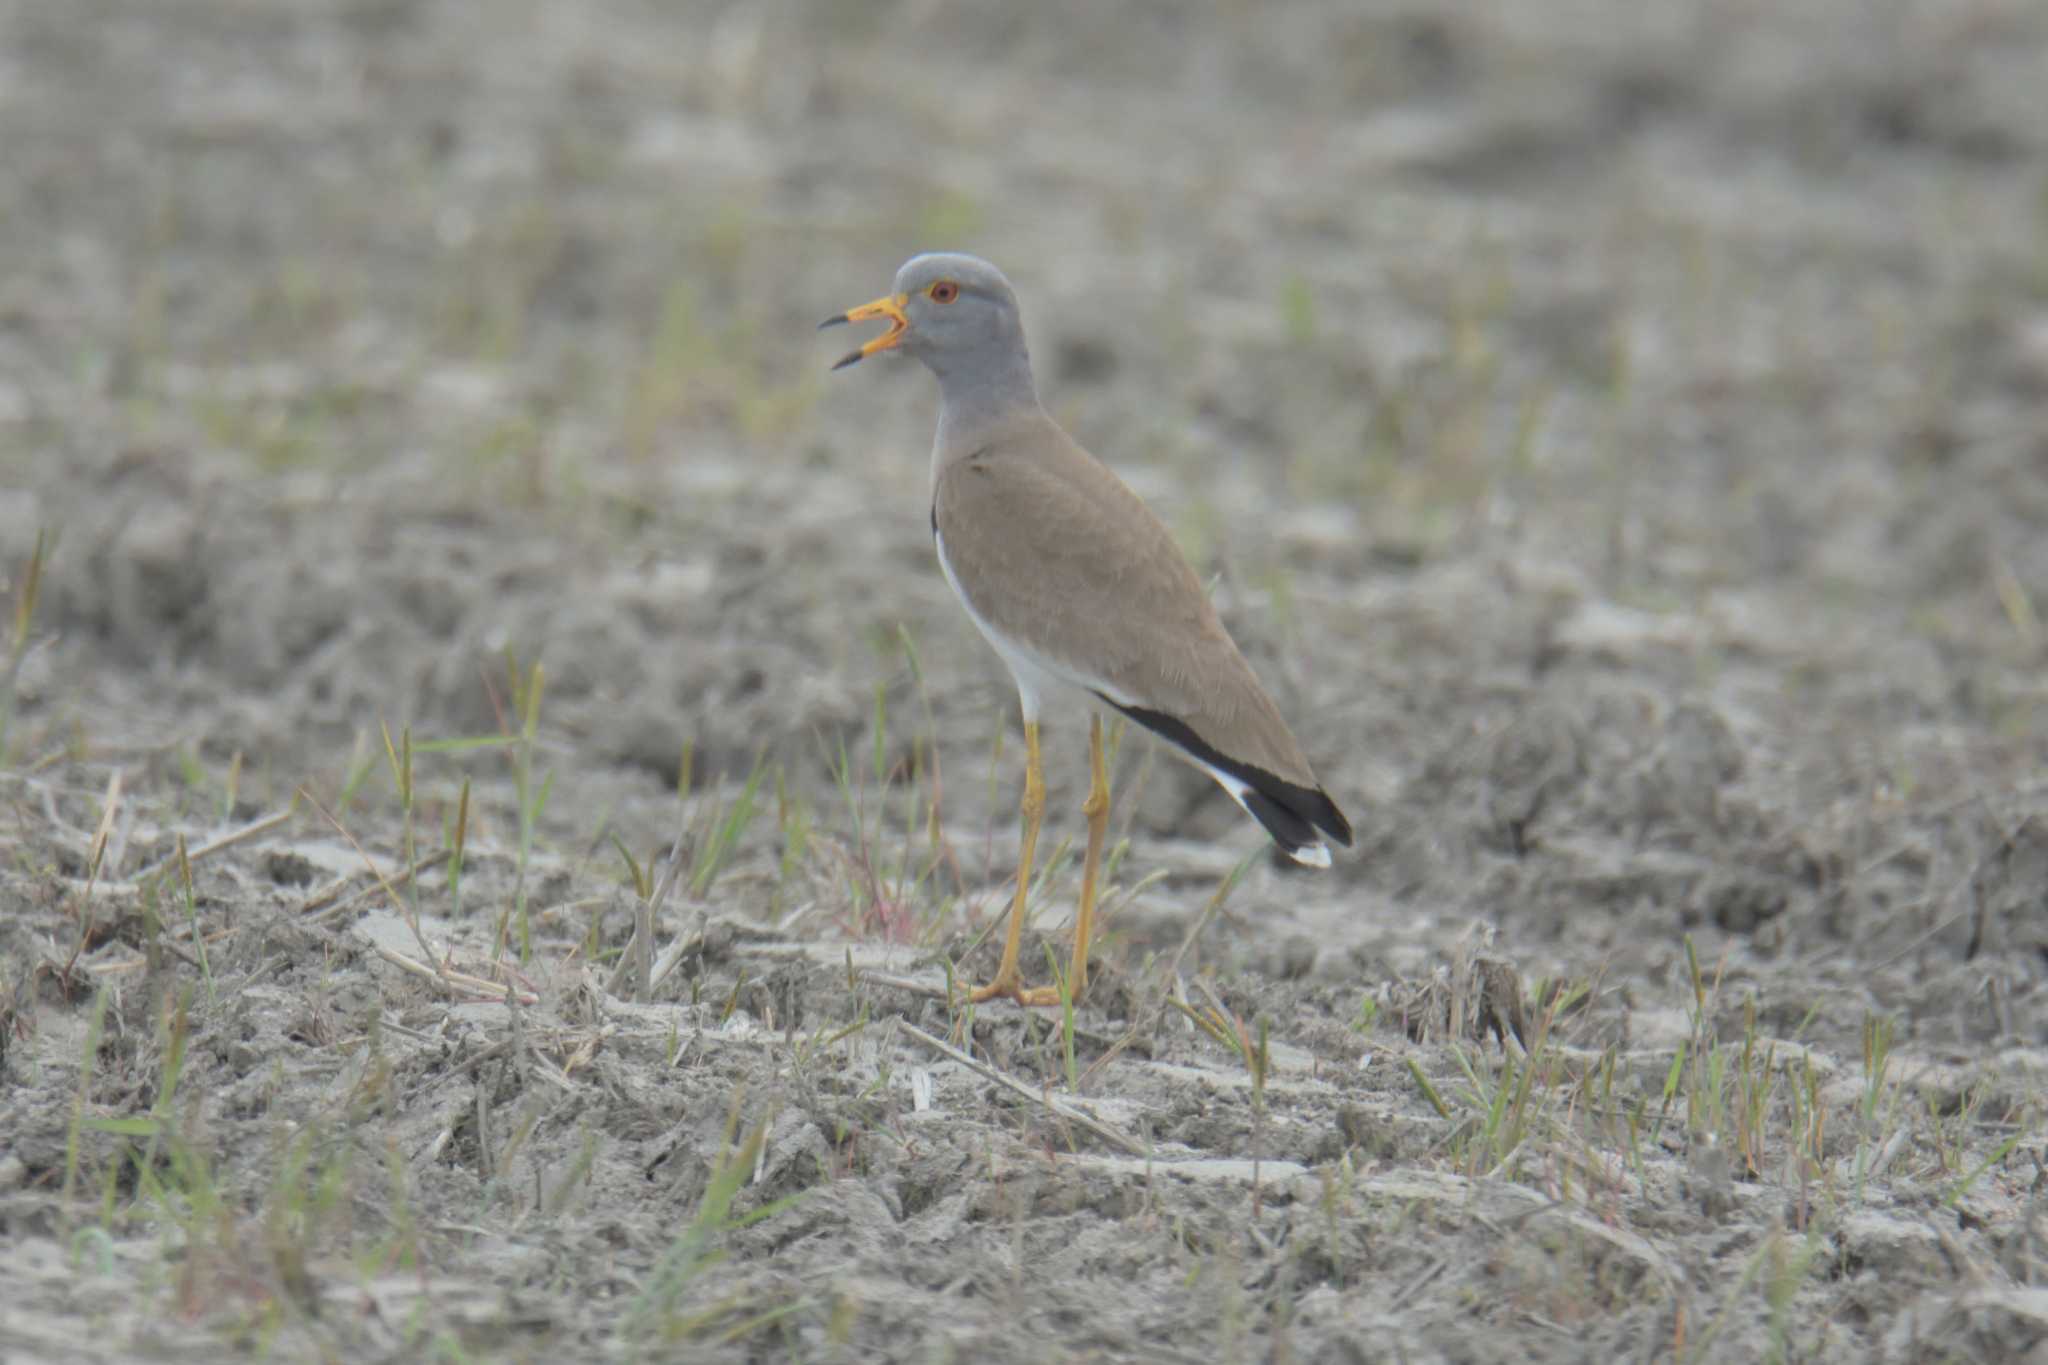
956	313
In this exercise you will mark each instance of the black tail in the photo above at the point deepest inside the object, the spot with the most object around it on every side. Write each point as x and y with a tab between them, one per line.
1292	814
1294	828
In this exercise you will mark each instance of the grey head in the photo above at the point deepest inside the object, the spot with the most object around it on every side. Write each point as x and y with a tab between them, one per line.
958	315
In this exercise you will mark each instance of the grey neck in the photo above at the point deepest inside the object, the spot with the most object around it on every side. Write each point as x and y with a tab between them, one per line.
977	399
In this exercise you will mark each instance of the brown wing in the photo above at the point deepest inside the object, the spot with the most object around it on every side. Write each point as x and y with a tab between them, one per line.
1052	547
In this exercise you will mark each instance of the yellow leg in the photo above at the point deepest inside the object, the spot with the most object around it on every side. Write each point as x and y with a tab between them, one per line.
1096	808
1008	982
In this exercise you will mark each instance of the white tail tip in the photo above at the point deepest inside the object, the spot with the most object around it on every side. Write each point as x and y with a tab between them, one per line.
1313	855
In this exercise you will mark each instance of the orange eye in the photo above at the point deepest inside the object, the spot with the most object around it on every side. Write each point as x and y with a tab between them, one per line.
945	291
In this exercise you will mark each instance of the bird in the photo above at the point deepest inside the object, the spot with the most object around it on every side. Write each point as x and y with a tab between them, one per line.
1080	588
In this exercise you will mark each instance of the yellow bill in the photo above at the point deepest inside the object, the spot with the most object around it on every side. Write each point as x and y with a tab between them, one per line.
890	306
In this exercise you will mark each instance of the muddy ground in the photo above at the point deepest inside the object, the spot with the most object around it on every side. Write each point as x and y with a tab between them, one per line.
1618	433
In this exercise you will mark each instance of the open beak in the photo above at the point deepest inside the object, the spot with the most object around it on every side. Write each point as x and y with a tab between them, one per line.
890	306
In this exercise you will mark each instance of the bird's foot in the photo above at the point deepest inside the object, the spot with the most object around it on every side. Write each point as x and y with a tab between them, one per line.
1010	986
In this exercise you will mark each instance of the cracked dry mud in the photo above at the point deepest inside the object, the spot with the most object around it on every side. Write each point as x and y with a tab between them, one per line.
1618	434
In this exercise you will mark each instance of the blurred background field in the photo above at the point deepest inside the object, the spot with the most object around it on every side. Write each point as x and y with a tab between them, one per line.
1618	433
